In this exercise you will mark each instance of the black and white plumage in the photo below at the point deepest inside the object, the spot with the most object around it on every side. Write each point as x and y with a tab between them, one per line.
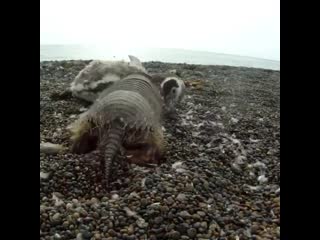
172	90
99	75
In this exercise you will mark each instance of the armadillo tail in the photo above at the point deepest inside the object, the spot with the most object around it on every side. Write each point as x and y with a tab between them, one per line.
111	144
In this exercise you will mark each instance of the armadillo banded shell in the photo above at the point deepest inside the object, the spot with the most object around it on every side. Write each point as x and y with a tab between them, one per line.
130	107
139	84
134	100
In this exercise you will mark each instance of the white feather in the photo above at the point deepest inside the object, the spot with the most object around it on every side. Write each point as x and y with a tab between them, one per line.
177	165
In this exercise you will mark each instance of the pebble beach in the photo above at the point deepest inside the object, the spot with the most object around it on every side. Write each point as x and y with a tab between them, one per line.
221	178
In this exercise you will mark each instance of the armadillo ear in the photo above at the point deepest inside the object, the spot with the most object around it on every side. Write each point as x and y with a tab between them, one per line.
135	62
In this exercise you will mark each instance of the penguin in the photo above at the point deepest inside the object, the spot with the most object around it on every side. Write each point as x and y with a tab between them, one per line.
172	90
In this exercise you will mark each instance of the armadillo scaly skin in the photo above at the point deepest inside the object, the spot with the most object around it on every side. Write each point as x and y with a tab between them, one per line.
109	146
125	115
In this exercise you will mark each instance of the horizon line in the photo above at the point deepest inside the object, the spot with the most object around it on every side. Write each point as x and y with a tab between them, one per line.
184	49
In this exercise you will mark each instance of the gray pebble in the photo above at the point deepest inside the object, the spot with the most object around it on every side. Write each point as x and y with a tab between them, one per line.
158	220
196	217
79	236
50	148
181	197
201	213
173	235
141	223
184	214
183	227
197	225
192	232
56	217
169	201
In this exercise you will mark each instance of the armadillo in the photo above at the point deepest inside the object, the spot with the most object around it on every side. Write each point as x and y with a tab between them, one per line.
127	115
98	75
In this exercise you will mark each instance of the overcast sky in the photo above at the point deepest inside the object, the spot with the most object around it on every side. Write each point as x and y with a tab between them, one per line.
241	27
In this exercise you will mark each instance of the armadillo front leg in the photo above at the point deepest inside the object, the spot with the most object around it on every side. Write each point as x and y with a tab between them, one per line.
84	136
149	152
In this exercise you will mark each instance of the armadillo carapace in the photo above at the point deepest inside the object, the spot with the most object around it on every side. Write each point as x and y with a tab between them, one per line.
127	115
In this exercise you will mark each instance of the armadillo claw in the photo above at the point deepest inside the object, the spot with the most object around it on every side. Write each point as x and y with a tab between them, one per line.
143	155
